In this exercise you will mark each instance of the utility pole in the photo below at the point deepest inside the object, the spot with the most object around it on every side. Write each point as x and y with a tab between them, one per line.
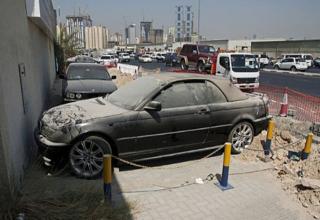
198	21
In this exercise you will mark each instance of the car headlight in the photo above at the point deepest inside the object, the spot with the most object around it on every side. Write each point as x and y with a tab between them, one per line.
233	79
70	95
78	96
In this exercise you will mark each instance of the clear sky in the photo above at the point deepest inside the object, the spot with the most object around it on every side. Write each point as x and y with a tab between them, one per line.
220	19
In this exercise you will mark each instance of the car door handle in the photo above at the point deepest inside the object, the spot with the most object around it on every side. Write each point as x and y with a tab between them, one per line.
203	111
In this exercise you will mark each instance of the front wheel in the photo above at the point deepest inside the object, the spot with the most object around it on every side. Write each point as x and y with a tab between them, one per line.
183	65
276	67
201	68
86	156
240	137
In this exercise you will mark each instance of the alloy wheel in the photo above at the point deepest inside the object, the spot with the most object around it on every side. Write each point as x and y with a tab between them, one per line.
241	136
86	156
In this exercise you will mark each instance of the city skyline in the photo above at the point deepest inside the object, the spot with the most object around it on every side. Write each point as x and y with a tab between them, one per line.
229	19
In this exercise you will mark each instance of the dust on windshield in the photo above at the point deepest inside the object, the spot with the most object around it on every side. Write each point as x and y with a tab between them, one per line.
87	72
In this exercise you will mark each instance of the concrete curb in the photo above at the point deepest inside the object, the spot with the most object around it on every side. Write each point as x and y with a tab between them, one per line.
291	72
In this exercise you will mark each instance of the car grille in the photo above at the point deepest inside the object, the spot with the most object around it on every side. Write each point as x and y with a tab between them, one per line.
246	80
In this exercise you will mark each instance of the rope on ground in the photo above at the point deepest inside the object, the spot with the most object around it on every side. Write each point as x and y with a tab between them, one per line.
166	168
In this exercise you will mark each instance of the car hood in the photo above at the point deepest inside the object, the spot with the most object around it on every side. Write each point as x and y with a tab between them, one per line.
90	86
79	112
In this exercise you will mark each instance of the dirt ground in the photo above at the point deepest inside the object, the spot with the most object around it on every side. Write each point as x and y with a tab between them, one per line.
301	178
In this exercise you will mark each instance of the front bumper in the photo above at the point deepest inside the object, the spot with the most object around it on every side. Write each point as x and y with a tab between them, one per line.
50	151
247	85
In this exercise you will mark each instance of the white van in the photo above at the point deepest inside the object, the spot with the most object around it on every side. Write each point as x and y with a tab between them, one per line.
241	68
307	57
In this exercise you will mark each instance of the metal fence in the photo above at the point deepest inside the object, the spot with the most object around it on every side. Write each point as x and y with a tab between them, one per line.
301	106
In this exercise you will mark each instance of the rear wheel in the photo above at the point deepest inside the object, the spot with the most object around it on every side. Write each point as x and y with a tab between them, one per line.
293	68
183	65
240	137
86	156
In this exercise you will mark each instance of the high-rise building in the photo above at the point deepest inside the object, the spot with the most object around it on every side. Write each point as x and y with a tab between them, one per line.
171	35
115	39
156	36
145	29
130	33
76	25
96	37
184	23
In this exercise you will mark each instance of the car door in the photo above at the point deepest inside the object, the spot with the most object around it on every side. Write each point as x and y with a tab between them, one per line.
284	64
221	115
222	64
181	125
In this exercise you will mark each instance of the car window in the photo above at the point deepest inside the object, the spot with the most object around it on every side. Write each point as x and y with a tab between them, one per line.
214	94
223	62
80	72
182	94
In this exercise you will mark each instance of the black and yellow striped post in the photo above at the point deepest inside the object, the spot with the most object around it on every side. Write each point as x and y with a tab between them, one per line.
307	147
271	126
107	177
223	182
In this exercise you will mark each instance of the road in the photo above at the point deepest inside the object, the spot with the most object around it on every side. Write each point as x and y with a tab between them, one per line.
306	84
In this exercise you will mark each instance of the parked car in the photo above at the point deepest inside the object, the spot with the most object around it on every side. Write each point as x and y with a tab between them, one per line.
263	60
84	80
124	57
292	64
307	57
154	116
172	59
145	59
161	57
316	62
107	60
198	56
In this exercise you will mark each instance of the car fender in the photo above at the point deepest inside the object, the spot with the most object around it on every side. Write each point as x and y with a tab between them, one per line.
202	59
185	58
242	117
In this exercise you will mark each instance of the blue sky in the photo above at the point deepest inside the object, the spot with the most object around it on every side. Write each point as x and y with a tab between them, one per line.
220	19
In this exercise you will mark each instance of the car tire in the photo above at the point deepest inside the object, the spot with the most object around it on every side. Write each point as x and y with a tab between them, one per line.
276	67
183	65
86	156
200	67
240	137
293	69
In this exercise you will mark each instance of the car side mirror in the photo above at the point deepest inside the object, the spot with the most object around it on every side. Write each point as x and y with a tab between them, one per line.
153	106
113	77
62	76
195	52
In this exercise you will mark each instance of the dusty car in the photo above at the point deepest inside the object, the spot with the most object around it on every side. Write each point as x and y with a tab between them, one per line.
86	80
154	116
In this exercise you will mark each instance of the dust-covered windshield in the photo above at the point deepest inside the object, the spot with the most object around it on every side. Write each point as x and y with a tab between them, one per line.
133	93
82	72
244	63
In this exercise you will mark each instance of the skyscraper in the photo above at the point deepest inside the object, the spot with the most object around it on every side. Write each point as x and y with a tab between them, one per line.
130	33
145	29
96	37
184	23
77	24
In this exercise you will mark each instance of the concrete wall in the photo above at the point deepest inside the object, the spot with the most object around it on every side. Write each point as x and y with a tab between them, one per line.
21	42
277	48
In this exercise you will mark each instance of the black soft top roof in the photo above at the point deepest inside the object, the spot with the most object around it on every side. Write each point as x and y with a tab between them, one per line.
231	92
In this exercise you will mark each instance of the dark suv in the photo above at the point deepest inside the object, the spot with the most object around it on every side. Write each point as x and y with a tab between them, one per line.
198	56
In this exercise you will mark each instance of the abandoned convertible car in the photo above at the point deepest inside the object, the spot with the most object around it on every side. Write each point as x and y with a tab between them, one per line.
151	117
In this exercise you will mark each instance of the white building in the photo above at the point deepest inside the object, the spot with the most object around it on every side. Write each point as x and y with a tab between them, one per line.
131	34
96	37
184	23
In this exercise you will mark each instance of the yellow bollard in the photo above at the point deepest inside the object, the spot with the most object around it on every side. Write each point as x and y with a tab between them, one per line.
223	182
107	176
307	147
271	126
